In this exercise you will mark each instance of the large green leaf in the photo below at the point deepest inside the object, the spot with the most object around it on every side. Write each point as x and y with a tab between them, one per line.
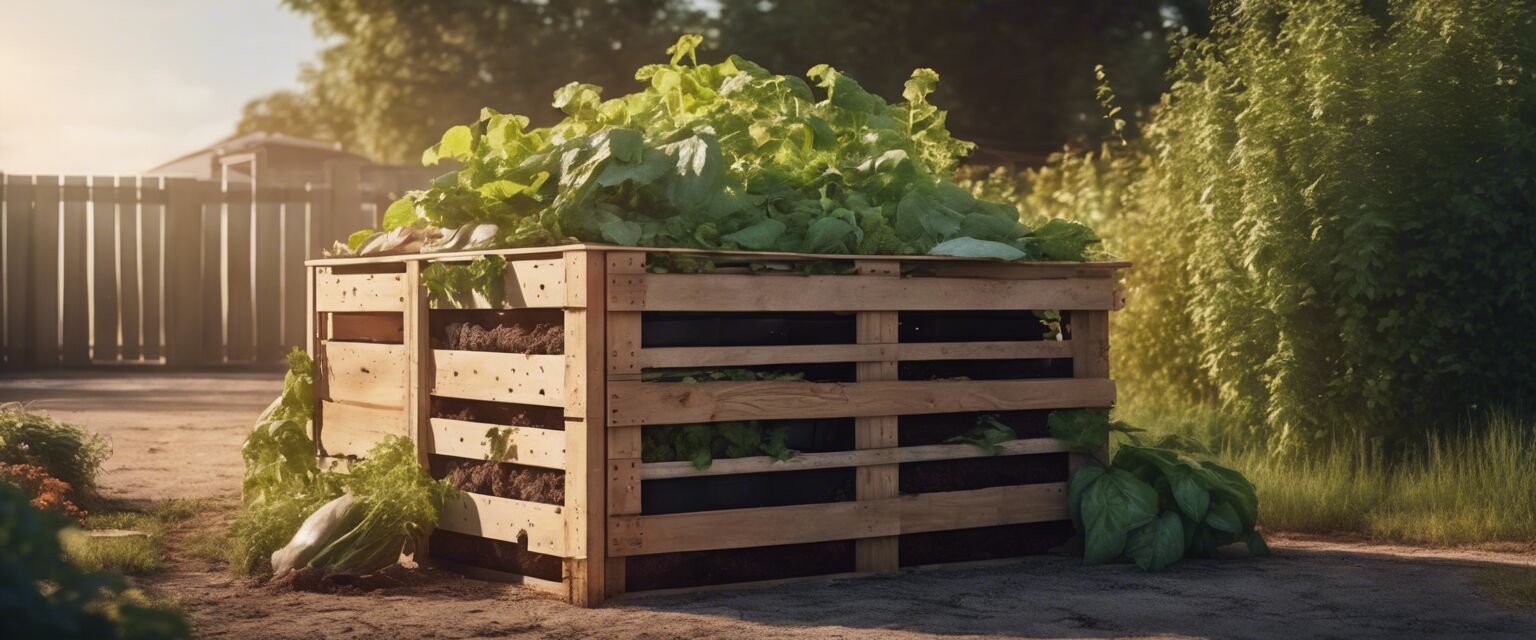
1082	478
1192	497
1112	506
1222	517
1157	544
968	247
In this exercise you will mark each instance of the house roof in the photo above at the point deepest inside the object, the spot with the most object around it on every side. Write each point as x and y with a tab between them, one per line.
244	142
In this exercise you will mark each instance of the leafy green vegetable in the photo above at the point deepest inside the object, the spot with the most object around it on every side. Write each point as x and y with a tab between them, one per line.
700	444
728	156
499	443
987	434
1085	429
449	284
65	451
284	484
1154	506
399	502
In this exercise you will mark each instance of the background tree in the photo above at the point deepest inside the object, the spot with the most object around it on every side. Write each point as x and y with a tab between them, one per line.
1017	74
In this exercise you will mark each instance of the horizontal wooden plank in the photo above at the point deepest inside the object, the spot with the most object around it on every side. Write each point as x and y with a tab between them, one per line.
642	403
529	445
351	430
365	373
858	458
733	292
1005	350
747	356
740	528
507	520
360	292
530	284
983	507
499	377
819	353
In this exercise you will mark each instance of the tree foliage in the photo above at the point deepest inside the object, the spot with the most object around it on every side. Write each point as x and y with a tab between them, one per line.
1332	217
400	72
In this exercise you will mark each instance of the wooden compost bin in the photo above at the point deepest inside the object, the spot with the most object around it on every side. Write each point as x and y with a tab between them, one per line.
915	348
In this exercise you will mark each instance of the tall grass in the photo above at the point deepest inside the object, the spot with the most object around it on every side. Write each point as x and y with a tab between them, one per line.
1473	484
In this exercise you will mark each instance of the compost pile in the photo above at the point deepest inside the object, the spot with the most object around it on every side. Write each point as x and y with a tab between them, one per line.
723	156
542	339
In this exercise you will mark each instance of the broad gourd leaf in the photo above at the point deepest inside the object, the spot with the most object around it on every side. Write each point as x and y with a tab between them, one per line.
1081	479
1112	506
1191	496
401	213
1061	239
1157	544
457	143
1081	429
967	247
621	232
762	236
1222	517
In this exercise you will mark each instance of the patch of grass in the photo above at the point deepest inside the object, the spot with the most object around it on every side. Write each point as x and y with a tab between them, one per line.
1470	485
129	554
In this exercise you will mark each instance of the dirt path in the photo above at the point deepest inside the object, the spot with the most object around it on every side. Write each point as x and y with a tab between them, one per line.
178	436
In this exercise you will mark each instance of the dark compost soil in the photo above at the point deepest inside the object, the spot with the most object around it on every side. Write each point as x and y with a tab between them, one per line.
543	339
502	479
502	413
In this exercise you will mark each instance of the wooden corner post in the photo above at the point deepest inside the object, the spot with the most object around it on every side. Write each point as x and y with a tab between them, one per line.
1089	333
877	482
418	376
585	445
622	348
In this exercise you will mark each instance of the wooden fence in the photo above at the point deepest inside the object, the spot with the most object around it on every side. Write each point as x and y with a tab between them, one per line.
162	271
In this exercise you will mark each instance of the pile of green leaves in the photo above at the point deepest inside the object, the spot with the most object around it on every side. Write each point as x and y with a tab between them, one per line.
729	156
284	484
450	284
700	444
65	451
1151	505
44	595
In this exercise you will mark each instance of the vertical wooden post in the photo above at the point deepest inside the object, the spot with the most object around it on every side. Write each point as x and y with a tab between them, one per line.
585	438
183	273
268	256
20	283
103	246
1089	331
212	278
623	351
418	376
239	312
128	265
345	210
152	222
879	432
45	273
76	338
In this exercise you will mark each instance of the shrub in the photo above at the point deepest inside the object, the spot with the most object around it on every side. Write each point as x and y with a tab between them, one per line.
64	451
75	603
1331	215
47	492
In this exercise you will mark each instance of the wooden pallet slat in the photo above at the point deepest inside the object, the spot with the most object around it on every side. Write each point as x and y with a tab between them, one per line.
642	403
342	292
130	300
239	308
269	277
541	525
75	336
732	292
528	284
854	458
499	377
362	373
530	446
351	430
19	286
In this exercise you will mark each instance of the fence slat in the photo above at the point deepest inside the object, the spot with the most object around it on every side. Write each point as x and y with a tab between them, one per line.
212	271
238	313
103	243
18	269
76	336
269	276
295	247
151	203
128	267
185	215
45	273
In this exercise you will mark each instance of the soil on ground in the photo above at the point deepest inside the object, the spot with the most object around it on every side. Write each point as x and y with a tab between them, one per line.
179	435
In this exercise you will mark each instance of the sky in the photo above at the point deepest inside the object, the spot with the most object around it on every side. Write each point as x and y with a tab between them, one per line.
114	87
